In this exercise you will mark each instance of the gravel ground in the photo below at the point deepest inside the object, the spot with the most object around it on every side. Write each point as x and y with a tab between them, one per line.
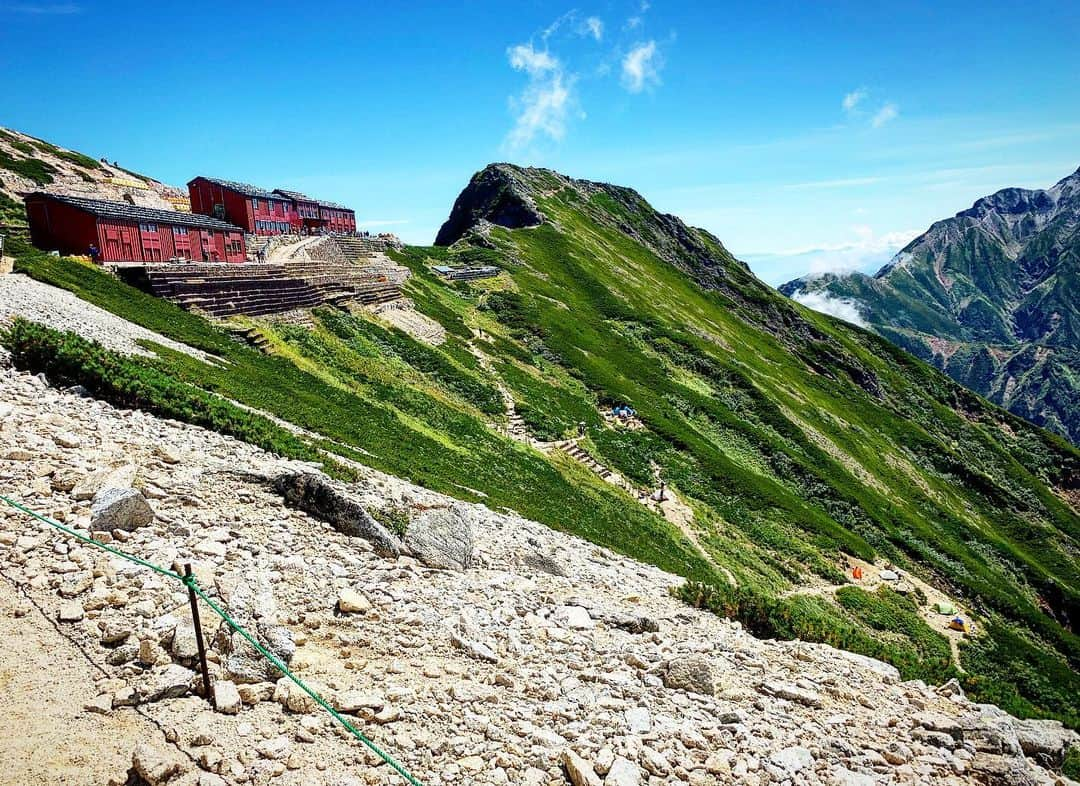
21	296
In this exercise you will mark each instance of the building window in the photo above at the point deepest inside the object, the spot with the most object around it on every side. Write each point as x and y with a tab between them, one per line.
255	204
148	227
179	231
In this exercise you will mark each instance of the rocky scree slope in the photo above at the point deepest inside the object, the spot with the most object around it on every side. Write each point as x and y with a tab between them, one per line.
544	661
29	164
795	441
991	297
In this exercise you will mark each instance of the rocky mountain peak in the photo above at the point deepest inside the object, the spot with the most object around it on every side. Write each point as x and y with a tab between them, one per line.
498	194
1001	274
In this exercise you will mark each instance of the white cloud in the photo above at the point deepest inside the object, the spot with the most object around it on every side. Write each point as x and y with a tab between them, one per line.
841	308
886	114
637	19
524	57
594	26
641	67
864	251
543	106
853	99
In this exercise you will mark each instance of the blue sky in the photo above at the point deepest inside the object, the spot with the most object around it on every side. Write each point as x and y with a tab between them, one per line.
806	136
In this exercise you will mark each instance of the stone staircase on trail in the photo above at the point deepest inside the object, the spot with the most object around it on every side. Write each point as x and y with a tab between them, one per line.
356	248
267	244
252	336
579	454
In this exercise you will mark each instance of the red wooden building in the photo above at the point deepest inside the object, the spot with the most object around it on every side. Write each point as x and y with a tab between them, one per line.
256	210
337	218
306	210
262	212
122	232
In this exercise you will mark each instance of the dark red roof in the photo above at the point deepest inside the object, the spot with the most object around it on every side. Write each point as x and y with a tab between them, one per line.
128	212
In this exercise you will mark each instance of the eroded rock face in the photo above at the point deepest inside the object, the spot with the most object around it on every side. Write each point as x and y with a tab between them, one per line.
495	195
318	495
1046	741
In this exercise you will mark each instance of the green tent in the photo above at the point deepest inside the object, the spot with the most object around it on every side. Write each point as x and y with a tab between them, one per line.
944	608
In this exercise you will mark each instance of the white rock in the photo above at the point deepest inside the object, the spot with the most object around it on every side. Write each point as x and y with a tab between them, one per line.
572	617
623	772
793	759
579	771
352	602
638	720
70	611
227	697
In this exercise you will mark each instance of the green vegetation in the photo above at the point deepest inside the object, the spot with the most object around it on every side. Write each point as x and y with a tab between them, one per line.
369	413
30	168
394	517
67	359
79	159
1070	768
883	625
12	212
795	439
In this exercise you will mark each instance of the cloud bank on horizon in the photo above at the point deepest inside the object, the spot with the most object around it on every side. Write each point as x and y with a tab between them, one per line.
841	308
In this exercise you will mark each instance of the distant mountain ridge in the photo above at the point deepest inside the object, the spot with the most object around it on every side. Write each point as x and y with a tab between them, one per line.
991	296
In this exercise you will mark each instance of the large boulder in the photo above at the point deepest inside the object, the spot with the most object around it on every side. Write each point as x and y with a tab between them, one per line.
119	508
316	494
691	673
1045	741
442	537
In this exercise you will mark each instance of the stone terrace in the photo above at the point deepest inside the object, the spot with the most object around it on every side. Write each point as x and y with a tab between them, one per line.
251	289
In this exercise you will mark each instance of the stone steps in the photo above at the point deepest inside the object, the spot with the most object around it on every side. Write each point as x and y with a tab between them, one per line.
576	452
261	289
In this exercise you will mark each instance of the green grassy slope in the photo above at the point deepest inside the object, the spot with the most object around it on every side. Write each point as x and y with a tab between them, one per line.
794	438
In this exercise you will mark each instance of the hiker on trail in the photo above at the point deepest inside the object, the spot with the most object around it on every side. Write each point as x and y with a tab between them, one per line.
581	429
94	252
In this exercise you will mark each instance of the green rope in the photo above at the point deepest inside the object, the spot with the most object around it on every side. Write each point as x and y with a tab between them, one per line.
191	583
93	542
319	699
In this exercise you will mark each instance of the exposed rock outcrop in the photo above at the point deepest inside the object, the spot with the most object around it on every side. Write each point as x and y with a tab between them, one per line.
495	195
321	497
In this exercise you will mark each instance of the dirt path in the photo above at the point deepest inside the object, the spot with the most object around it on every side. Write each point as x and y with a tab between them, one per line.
515	425
46	737
672	508
871	580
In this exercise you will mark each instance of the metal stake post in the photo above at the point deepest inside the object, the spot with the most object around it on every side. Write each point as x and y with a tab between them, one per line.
208	690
